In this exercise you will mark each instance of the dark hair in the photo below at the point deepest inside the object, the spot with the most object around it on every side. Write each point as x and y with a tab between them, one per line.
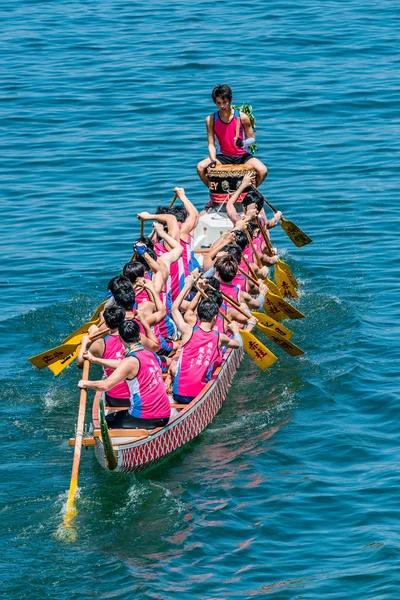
240	238
129	332
180	213
214	282
141	259
133	270
207	310
163	210
125	298
253	197
144	239
215	296
226	267
233	250
251	227
113	316
119	283
222	91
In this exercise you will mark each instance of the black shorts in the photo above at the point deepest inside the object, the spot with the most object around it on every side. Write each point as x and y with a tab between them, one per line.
123	420
234	160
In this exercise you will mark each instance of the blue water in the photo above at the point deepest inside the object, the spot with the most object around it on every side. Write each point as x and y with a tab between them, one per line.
293	491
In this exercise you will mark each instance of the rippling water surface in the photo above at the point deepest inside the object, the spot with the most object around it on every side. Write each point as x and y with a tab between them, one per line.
293	491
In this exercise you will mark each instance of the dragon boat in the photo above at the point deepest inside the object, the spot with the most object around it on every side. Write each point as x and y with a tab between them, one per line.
134	450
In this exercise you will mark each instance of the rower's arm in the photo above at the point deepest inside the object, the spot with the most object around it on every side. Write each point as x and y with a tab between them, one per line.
230	207
168	220
97	349
210	256
193	214
212	151
127	369
183	327
228	342
248	129
160	311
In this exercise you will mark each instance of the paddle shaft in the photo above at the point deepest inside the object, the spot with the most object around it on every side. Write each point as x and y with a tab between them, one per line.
153	232
70	511
250	268
266	239
264	198
255	253
249	277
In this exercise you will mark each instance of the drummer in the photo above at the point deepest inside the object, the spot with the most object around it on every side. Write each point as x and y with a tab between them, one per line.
233	149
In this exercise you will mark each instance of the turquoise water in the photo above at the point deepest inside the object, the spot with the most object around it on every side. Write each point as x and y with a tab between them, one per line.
292	492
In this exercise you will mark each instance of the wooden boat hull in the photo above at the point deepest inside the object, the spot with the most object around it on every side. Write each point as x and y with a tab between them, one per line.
136	456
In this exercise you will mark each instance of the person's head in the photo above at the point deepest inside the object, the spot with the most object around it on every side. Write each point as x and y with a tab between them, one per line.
125	298
118	283
226	267
215	296
144	239
141	259
180	213
113	316
252	198
240	238
233	250
214	282
133	270
222	96
129	333
163	210
207	311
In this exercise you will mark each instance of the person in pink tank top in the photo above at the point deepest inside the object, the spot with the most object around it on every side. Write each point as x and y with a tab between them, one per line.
140	370
233	148
109	347
200	347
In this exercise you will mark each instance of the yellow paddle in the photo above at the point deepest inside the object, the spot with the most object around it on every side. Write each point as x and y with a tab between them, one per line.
263	357
280	338
66	531
298	237
283	275
61	353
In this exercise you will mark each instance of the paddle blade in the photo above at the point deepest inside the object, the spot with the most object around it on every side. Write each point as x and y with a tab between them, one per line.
281	305
109	453
81	331
284	283
281	341
269	322
272	309
298	237
263	357
272	286
99	309
50	357
60	365
289	273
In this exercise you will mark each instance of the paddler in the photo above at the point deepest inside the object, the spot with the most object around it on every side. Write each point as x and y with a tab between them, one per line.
140	369
233	148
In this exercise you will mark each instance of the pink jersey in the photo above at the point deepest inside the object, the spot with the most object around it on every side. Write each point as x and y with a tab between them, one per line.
143	295
148	397
196	362
230	290
225	134
113	350
240	281
179	269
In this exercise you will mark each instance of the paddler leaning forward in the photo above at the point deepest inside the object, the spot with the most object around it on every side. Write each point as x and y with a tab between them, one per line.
149	403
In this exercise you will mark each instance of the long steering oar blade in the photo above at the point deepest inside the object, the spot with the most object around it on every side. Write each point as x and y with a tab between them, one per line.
66	530
285	344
